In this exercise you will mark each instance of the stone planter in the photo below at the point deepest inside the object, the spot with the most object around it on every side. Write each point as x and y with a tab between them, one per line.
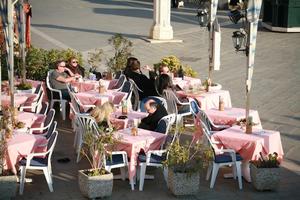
8	187
95	186
183	183
29	91
264	178
217	86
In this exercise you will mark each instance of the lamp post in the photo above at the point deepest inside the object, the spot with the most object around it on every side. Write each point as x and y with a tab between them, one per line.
248	33
206	14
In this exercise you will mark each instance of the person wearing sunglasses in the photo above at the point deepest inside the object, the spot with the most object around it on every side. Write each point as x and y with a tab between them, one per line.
75	68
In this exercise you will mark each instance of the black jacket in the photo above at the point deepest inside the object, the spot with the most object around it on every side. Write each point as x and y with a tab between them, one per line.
150	122
144	83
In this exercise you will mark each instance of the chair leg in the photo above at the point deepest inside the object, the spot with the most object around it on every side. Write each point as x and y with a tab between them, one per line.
214	175
239	174
48	179
123	173
132	184
166	172
51	104
209	169
22	179
142	175
234	171
63	109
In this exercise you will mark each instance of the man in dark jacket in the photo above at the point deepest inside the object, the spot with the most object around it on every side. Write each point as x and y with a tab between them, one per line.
156	112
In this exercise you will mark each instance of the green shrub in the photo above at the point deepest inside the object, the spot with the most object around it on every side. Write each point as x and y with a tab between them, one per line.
122	50
174	64
39	61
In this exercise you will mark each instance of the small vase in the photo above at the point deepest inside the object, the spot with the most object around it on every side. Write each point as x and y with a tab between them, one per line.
249	129
102	89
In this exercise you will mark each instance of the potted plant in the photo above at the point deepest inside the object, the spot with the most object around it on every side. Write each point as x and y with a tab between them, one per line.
210	86
265	172
184	161
24	87
122	50
8	181
96	182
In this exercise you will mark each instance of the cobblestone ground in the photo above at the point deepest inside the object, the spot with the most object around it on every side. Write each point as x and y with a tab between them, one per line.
275	91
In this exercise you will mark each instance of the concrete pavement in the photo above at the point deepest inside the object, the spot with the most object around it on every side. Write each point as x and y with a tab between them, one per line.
87	24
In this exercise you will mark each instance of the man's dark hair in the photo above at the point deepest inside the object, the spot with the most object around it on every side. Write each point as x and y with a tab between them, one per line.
57	63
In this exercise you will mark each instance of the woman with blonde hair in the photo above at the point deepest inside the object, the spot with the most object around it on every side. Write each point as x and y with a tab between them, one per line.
102	114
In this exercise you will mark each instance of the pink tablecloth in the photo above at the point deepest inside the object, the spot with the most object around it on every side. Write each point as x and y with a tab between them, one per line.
231	115
19	99
20	145
87	85
208	100
146	140
123	123
186	82
31	119
250	145
94	98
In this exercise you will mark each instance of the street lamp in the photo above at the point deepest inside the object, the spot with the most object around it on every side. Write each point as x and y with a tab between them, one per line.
239	38
202	15
235	16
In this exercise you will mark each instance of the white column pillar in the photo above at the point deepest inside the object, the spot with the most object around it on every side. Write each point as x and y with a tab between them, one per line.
161	28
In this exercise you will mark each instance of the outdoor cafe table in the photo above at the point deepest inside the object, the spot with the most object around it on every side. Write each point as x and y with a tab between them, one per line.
19	98
95	98
87	85
229	116
186	82
250	145
146	140
131	116
208	100
20	145
31	119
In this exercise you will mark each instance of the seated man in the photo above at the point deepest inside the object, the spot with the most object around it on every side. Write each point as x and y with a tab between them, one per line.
59	78
156	112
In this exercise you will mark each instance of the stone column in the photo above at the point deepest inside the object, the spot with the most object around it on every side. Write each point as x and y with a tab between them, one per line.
161	28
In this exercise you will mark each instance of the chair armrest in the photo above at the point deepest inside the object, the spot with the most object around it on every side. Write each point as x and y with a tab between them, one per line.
156	152
220	127
31	130
32	155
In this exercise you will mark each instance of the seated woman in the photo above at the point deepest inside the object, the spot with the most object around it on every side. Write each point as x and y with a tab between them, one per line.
75	68
164	83
156	112
133	71
102	115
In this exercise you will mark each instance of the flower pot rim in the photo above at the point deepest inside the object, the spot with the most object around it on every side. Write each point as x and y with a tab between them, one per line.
83	170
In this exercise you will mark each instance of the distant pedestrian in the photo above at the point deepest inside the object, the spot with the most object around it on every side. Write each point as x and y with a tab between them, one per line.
174	3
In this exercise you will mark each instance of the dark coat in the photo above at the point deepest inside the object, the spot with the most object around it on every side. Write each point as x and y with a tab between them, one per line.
150	122
144	83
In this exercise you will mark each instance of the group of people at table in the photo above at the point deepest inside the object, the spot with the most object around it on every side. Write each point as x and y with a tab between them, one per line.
106	115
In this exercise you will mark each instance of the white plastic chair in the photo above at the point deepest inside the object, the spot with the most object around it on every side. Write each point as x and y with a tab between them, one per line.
36	104
172	104
196	111
222	157
62	102
155	158
39	161
84	122
44	108
118	86
47	123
